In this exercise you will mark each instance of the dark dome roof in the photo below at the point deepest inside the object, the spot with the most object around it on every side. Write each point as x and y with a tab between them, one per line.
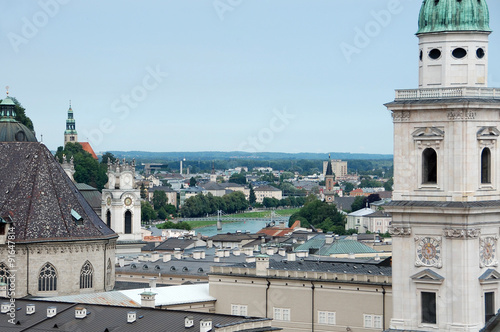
454	15
13	131
10	129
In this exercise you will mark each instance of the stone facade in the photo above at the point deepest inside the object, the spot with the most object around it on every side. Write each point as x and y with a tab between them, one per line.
68	260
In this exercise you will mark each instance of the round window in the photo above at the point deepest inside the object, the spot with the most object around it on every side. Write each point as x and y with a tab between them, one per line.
459	53
480	53
20	136
435	54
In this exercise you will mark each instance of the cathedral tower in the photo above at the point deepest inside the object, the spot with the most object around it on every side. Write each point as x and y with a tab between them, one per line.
446	202
70	134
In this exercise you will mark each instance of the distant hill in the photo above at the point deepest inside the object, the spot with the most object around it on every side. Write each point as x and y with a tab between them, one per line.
217	155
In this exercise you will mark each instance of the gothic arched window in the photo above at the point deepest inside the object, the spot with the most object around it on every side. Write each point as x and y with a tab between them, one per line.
486	166
108	218
5	274
87	275
47	280
128	222
429	166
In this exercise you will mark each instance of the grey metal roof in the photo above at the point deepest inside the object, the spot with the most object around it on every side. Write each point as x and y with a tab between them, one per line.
91	195
320	266
113	318
175	243
41	199
444	101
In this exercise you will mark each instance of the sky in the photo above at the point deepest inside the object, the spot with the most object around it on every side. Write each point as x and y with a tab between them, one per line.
215	75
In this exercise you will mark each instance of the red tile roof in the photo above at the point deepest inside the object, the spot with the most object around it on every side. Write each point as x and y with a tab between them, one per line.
86	146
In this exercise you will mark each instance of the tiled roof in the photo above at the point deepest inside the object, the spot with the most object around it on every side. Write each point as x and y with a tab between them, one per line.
41	200
86	147
112	318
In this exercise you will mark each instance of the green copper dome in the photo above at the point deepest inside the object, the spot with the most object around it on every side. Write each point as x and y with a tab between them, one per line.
454	15
10	129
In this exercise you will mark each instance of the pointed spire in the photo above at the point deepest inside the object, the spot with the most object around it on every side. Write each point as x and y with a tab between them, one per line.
329	170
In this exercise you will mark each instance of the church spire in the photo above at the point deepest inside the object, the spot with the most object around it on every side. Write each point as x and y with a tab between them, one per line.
329	169
70	134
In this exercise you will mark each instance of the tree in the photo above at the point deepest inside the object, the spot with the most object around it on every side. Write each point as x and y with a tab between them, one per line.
192	182
162	214
87	169
21	114
362	201
388	185
143	191
108	156
147	212
239	178
321	215
252	198
348	187
159	199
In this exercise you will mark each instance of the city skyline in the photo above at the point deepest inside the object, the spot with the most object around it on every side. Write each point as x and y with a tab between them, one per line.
282	76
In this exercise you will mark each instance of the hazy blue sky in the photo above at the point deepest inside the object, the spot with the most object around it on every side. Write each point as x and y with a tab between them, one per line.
225	75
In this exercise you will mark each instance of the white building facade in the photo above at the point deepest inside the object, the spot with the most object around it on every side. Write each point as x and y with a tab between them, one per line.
446	203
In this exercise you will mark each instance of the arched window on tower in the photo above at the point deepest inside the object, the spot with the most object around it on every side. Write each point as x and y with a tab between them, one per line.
86	275
486	166
429	166
108	218
47	280
5	275
128	222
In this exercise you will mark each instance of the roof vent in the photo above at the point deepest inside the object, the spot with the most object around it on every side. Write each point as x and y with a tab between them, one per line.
30	309
188	321
80	312
5	307
205	325
131	317
51	312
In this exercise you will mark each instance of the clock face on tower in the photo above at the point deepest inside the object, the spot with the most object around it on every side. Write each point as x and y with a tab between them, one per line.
428	252
128	201
488	252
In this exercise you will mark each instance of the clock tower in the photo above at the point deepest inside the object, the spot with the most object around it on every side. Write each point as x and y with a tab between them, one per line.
446	202
329	182
121	206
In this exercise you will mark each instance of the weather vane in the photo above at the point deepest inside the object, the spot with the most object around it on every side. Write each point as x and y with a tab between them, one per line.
7	88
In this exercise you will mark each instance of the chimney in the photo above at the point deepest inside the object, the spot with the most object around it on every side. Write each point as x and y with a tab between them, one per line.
205	325
329	239
5	307
155	256
197	254
135	260
352	256
167	258
216	259
188	322
377	258
152	282
121	261
51	312
236	251
131	317
30	309
250	259
210	244
80	313
227	253
203	254
262	264
291	257
148	299
282	252
178	253
270	251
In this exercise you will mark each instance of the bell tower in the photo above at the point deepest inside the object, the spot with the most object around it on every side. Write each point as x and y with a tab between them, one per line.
70	134
329	182
446	202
